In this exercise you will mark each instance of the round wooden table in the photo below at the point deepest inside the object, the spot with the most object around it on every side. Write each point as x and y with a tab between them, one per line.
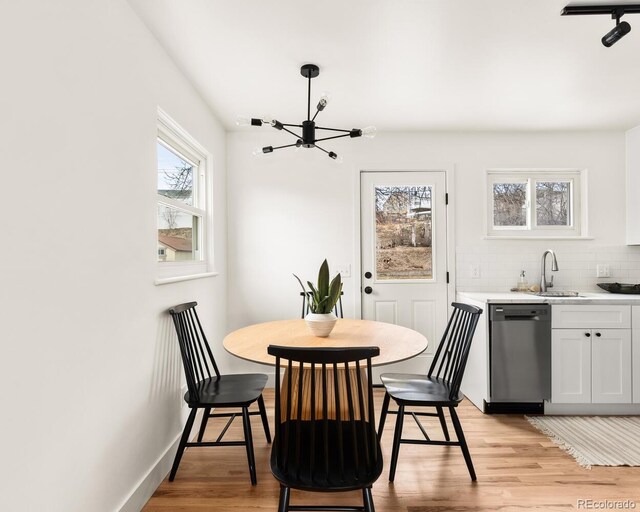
396	344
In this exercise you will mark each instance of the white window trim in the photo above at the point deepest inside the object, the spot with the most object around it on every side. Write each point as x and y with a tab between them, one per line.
579	229
178	138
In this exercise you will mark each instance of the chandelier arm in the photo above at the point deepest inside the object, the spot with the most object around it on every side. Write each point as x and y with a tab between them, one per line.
292	133
315	115
287	146
294	125
334	137
332	129
321	149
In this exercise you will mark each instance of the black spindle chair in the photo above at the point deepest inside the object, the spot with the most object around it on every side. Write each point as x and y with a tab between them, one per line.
337	310
440	388
208	389
325	441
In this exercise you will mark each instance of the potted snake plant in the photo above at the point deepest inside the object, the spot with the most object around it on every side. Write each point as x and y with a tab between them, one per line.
322	299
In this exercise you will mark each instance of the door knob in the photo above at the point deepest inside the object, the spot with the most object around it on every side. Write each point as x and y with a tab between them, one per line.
598	334
368	275
587	334
368	289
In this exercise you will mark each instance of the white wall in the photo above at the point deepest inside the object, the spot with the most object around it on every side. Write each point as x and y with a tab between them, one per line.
289	210
90	375
633	184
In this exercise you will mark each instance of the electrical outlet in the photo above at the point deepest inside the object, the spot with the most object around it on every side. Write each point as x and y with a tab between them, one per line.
343	270
475	271
603	270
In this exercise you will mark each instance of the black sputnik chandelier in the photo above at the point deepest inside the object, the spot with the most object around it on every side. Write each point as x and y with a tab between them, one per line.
308	137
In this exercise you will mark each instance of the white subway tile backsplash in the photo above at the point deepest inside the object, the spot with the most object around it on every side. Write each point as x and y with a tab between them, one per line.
501	262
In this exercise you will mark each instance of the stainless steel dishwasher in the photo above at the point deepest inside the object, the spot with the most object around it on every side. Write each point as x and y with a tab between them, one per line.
520	356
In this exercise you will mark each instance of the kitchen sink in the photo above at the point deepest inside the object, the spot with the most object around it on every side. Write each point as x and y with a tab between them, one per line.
558	294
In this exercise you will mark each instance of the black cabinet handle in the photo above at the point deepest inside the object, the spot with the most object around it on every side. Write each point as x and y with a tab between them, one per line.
587	334
368	290
598	334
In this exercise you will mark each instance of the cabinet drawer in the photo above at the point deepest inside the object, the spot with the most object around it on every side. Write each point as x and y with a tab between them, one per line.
589	316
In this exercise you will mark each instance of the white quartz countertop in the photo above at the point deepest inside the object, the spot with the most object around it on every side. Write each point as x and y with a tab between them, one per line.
530	298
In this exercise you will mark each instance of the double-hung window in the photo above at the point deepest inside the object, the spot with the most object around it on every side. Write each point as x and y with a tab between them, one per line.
182	202
536	203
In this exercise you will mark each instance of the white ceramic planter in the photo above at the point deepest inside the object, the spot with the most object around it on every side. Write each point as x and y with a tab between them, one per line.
321	325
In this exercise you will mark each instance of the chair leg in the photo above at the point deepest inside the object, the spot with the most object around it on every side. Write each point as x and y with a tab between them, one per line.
248	440
203	425
368	500
396	443
383	414
265	420
463	442
443	423
183	443
285	494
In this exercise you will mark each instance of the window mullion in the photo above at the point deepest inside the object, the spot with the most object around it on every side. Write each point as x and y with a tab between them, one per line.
179	205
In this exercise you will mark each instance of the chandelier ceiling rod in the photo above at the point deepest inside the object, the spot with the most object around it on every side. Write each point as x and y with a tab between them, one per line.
307	138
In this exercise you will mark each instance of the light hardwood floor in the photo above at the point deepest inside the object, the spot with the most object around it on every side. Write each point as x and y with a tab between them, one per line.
518	469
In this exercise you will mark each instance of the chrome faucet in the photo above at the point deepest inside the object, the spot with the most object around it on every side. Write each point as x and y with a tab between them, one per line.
543	273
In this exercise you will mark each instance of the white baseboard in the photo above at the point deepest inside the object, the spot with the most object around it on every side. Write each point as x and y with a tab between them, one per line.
148	485
145	488
592	409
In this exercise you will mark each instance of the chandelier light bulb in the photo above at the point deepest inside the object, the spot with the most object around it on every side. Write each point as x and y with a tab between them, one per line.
257	152
369	132
243	121
324	100
268	120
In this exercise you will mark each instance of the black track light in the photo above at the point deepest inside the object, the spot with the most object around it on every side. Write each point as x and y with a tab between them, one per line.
617	33
267	149
332	155
616	12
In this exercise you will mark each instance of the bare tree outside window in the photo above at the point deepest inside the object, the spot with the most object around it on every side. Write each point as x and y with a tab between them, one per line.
553	203
510	204
403	232
176	227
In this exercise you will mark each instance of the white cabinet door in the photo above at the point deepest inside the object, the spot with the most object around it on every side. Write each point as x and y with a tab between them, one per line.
611	366
570	366
635	353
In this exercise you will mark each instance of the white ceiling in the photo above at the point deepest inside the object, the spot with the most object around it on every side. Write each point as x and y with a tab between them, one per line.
405	65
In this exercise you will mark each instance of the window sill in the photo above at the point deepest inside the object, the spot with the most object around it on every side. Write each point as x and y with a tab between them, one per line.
515	237
168	280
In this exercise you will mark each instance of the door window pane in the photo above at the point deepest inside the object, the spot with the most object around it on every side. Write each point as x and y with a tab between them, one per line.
175	176
510	204
553	200
403	233
177	234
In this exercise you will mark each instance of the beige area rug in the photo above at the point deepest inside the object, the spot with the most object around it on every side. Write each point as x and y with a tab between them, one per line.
594	440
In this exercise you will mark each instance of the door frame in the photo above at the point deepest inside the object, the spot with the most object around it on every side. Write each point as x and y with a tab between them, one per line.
449	171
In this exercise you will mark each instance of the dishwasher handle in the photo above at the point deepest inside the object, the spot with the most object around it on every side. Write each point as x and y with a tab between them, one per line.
523	317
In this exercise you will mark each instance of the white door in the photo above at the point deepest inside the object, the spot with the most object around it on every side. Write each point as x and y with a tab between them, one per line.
571	366
611	366
404	255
